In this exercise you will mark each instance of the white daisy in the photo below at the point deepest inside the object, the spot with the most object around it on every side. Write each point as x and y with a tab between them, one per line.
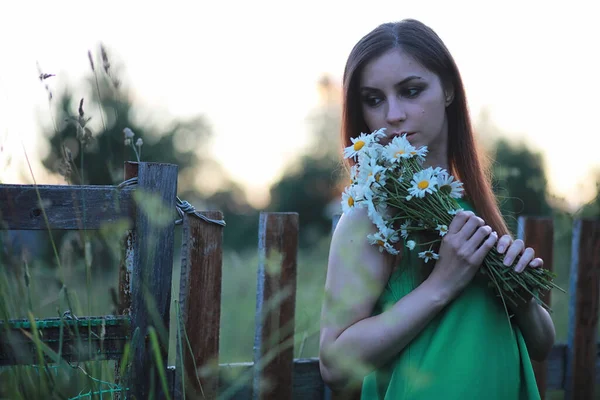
447	184
373	173
420	153
423	182
359	144
376	216
398	149
453	212
404	229
354	173
443	229
411	244
428	255
380	240
378	134
352	198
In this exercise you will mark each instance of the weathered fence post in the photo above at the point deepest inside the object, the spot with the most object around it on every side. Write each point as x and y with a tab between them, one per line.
126	265
275	306
151	277
538	233
350	394
582	348
200	308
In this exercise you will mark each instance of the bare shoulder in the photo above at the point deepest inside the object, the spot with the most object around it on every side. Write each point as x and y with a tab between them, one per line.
357	273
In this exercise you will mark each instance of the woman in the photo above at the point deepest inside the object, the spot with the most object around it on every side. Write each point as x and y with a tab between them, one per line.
409	332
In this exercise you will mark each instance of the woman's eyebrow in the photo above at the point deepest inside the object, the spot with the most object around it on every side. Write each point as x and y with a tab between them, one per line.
402	82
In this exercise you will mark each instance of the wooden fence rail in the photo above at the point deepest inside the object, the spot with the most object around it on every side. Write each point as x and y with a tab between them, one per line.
145	295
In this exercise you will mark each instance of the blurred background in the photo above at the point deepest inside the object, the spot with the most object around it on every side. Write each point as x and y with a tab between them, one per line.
245	98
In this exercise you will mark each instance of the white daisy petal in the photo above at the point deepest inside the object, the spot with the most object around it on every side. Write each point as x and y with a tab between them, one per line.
423	182
429	255
442	229
352	198
453	212
448	185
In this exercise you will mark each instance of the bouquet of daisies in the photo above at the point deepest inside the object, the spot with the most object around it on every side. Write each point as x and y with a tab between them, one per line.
403	198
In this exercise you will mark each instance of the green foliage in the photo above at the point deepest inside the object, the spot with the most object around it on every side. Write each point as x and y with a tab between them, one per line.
308	190
520	183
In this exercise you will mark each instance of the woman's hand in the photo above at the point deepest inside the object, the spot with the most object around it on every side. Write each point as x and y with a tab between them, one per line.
512	249
462	252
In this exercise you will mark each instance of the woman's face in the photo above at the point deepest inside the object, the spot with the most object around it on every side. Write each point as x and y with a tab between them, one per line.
399	94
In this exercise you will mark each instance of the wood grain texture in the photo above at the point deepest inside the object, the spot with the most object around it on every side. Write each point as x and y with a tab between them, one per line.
538	233
306	384
582	351
66	207
152	271
108	336
275	306
200	307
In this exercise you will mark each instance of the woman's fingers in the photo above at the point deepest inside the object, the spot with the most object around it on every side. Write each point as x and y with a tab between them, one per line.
459	221
527	256
513	251
485	247
503	243
470	228
536	263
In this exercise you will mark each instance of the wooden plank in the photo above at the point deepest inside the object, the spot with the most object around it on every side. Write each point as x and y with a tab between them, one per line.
200	307
153	266
126	267
275	306
556	367
108	336
66	207
353	393
538	233
583	310
306	383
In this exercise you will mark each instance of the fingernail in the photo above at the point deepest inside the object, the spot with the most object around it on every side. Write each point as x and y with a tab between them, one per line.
507	261
501	249
518	269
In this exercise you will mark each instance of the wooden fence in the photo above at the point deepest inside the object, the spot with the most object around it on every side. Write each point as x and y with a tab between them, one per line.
145	295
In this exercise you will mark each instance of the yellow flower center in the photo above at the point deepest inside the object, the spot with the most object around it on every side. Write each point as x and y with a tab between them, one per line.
359	145
350	202
380	242
377	176
423	184
399	153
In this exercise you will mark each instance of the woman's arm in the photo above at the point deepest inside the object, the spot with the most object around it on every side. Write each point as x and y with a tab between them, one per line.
537	328
353	342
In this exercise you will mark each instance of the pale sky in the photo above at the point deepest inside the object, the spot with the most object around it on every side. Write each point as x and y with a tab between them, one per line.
251	68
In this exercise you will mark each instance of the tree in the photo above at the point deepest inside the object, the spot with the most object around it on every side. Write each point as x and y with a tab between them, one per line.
518	175
310	185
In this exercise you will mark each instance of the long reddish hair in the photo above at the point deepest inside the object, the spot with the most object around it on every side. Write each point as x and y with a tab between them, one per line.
423	44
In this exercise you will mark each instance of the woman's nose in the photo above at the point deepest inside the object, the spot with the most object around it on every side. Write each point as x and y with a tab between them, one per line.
396	112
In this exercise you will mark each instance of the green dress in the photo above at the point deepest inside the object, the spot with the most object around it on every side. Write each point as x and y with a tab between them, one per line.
466	352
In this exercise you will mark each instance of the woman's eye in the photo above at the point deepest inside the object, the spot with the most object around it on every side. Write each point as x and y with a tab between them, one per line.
411	92
371	101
